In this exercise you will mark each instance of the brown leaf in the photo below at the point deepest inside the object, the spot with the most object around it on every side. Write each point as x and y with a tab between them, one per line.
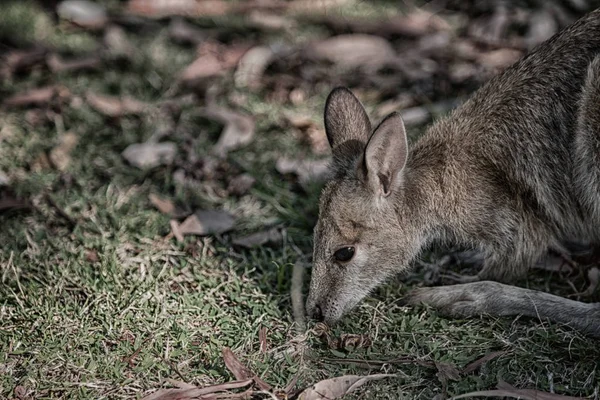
269	21
306	170
207	222
60	156
507	390
311	131
91	256
252	66
189	8
21	392
238	130
447	371
335	388
36	97
240	371
20	60
479	362
165	206
353	51
270	237
85	13
113	106
262	338
175	230
499	59
196	392
150	155
115	40
214	59
351	341
240	184
56	64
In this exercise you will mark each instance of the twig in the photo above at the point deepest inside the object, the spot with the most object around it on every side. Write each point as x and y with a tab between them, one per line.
296	295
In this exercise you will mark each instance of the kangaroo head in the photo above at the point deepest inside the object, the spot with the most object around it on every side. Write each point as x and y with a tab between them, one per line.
363	235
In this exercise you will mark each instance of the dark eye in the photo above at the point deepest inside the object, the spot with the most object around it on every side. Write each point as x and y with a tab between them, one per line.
344	254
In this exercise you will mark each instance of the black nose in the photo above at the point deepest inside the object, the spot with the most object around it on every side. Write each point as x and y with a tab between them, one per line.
317	313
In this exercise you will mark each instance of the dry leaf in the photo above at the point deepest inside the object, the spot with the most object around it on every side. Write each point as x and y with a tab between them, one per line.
238	130
60	156
271	237
499	59
252	66
313	133
56	64
507	390
207	222
335	388
307	170
175	230
91	256
115	39
240	371
196	392
190	8
262	338
447	371
163	205
351	341
479	362
240	184
214	59
84	13
37	97
20	60
113	106
150	155
353	51
269	21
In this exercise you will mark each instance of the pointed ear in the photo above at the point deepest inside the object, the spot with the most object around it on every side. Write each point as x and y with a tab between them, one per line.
345	118
386	154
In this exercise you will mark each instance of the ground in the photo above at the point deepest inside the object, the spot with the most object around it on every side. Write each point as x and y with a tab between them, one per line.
98	299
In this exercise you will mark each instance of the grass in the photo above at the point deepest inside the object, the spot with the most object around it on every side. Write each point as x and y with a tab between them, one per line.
113	307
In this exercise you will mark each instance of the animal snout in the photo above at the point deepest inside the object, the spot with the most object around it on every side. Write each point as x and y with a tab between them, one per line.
316	313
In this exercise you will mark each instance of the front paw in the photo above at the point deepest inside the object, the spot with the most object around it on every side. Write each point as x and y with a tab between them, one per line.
457	301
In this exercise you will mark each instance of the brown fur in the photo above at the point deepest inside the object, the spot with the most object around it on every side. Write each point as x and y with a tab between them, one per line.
513	172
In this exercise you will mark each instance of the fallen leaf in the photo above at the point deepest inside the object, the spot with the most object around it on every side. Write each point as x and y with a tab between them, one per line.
507	390
150	155
91	256
240	371
262	339
479	362
311	131
269	21
214	59
353	51
351	341
87	14
56	64
196	392
207	222
163	205
307	170
240	184
491	29
175	230
335	388
238	130
182	32
190	8
37	97
499	59
60	156
252	66
594	278
270	237
4	179
114	106
21	392
447	371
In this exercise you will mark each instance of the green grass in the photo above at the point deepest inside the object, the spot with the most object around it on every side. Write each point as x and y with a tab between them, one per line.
114	307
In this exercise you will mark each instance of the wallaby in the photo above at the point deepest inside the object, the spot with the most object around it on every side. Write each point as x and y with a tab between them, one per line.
512	172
